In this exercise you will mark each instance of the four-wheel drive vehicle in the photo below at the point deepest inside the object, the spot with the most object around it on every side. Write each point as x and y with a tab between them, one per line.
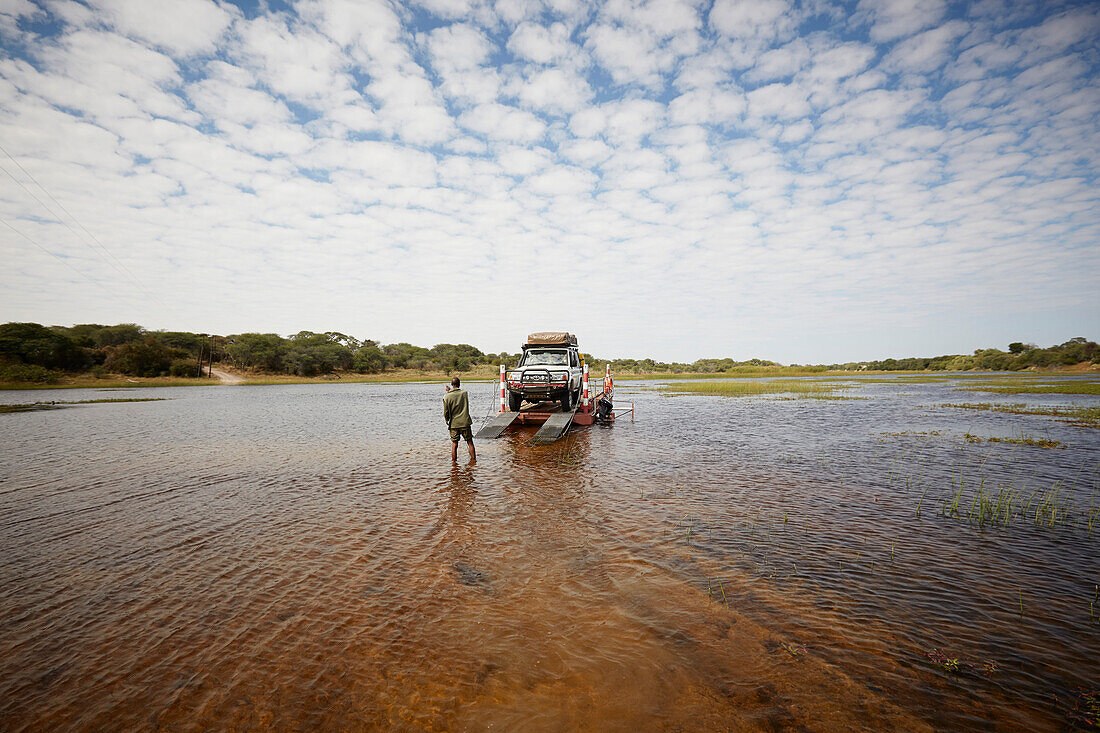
550	369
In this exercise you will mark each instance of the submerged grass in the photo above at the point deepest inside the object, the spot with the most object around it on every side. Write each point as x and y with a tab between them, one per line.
1022	439
57	404
805	388
1026	386
1084	416
1007	504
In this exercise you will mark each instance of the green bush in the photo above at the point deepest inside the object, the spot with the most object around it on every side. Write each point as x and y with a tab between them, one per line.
28	373
33	343
145	358
183	368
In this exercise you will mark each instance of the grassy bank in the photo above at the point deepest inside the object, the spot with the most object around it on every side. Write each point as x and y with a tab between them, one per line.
1032	382
114	381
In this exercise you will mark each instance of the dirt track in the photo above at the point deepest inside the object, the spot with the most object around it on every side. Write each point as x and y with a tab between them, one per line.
226	377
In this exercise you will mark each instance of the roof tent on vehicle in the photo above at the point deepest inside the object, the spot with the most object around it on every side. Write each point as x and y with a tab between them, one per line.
551	338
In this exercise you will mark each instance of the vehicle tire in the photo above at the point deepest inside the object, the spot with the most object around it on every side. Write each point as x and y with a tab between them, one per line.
514	401
567	401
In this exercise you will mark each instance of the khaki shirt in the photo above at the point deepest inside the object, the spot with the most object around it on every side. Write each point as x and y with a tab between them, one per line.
456	409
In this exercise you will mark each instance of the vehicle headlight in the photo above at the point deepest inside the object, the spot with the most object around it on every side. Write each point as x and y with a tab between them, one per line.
561	376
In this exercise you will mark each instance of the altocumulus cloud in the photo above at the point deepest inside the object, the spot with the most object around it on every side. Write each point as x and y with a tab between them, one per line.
793	180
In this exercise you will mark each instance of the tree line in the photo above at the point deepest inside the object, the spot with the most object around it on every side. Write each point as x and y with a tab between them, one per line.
1019	356
31	352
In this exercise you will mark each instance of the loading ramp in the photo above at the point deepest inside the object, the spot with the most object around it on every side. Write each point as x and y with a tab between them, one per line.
495	427
554	428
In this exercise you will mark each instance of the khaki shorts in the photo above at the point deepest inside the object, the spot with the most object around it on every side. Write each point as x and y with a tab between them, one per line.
465	432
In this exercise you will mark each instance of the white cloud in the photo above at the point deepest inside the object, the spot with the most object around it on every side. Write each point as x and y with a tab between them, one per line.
299	63
585	152
840	61
760	19
707	106
522	161
894	19
504	122
927	51
628	122
783	101
553	90
630	55
782	62
562	181
542	44
183	27
458	53
459	47
235	102
449	9
11	11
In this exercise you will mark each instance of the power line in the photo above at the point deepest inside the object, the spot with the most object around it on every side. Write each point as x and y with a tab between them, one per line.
62	260
113	261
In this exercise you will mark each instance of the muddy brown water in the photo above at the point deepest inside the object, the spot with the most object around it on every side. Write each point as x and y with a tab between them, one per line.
307	558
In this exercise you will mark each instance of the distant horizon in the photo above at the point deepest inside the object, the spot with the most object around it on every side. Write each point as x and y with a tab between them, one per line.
595	352
802	182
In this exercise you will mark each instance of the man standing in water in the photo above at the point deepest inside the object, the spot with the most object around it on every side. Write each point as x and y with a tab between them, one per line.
456	411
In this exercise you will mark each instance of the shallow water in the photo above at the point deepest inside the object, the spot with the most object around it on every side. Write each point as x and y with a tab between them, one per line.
306	557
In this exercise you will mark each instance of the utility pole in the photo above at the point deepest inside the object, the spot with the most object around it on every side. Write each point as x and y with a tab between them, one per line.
202	344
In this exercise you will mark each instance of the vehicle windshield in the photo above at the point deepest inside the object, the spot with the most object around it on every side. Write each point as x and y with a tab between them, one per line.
545	358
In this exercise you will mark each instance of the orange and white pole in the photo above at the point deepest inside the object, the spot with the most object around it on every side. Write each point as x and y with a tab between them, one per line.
503	393
608	384
585	381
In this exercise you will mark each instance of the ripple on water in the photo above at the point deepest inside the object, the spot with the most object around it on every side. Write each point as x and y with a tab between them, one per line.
306	556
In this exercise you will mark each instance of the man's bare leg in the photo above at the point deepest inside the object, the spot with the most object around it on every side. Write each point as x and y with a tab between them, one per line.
473	454
454	451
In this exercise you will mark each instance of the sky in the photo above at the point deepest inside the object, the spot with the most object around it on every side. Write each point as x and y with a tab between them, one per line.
807	182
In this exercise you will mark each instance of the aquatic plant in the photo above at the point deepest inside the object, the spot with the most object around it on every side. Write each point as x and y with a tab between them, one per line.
918	516
795	650
943	661
1086	707
1081	416
799	387
1028	387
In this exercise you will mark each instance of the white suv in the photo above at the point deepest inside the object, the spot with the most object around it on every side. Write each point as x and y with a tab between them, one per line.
546	373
